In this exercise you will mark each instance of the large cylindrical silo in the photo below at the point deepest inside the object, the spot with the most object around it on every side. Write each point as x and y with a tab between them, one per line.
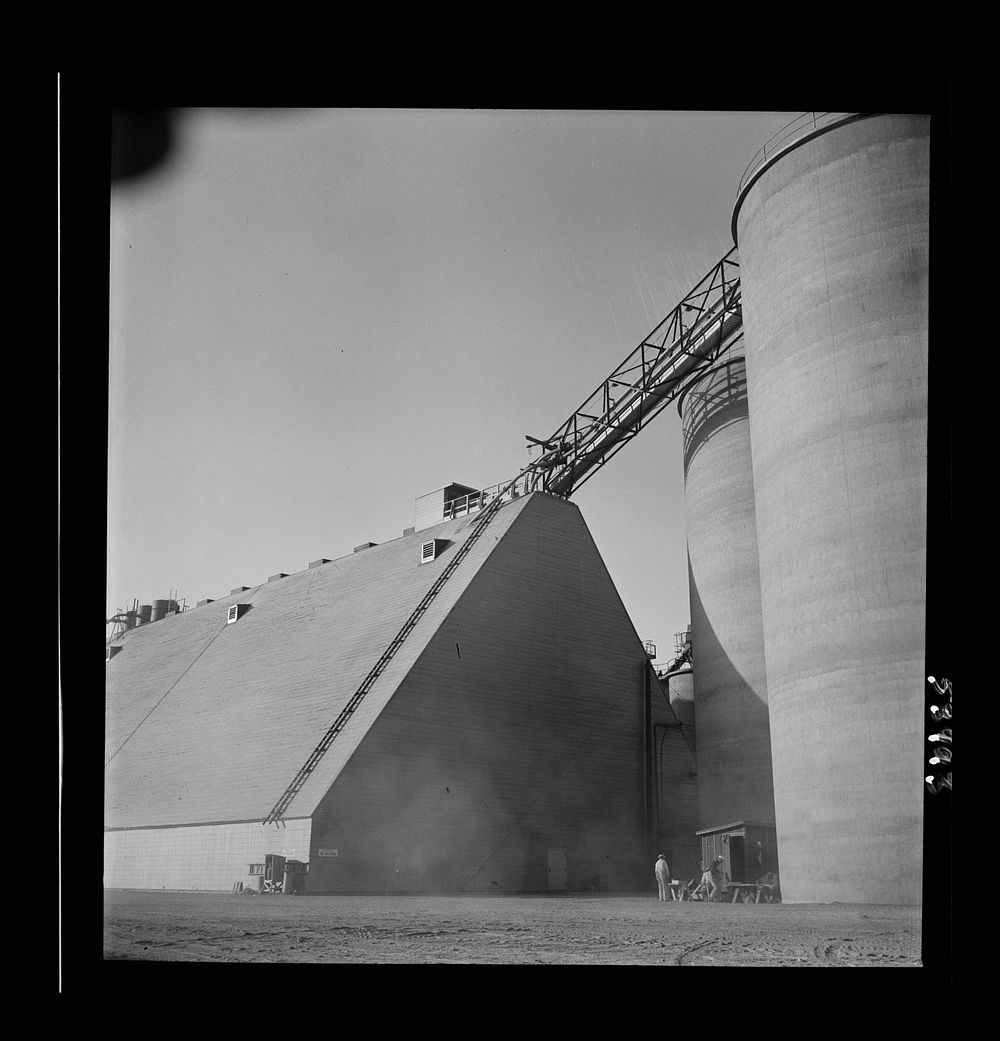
833	241
727	644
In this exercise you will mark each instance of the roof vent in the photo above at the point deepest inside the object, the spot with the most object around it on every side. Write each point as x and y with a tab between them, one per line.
239	589
236	611
109	653
430	550
364	545
201	603
322	560
281	574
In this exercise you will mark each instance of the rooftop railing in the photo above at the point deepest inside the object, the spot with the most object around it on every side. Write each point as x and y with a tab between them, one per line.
508	490
800	127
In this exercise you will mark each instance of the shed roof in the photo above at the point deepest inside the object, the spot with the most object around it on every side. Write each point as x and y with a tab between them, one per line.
731	827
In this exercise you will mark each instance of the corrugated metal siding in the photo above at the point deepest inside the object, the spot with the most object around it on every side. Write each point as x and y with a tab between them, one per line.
224	716
518	729
211	856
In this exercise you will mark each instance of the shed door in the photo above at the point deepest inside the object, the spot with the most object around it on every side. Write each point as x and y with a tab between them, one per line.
557	867
737	860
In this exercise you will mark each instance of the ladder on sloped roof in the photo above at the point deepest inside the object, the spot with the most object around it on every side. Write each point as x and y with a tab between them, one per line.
379	667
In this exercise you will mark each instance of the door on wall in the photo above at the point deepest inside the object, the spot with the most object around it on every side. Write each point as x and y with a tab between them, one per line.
737	859
557	868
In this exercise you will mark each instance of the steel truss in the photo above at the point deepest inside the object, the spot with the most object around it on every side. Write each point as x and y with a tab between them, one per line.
707	322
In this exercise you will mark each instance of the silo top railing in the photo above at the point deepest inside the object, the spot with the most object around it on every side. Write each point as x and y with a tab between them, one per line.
793	133
788	135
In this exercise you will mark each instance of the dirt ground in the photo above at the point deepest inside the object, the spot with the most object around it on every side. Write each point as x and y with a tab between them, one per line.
585	929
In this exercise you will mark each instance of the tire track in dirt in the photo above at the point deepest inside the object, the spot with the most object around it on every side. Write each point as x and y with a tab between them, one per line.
202	939
847	951
688	951
615	930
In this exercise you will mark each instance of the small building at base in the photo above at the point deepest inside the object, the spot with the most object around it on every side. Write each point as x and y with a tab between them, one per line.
748	851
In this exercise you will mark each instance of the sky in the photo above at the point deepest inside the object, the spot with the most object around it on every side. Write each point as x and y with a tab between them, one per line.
318	315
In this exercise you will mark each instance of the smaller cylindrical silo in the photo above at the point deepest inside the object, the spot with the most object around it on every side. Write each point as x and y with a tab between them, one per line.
130	619
159	610
143	615
727	642
680	690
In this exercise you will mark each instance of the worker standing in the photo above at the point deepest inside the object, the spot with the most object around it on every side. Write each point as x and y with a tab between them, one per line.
710	877
707	887
662	872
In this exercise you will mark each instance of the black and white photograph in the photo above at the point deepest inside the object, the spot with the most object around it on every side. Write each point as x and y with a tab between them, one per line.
519	544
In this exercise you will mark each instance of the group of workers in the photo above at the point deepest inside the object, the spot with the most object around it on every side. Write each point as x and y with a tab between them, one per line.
705	888
707	881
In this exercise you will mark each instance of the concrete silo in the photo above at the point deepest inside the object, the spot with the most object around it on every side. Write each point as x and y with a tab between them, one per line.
680	691
833	240
730	692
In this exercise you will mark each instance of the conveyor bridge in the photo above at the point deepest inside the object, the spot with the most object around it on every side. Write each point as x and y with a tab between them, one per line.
701	328
706	323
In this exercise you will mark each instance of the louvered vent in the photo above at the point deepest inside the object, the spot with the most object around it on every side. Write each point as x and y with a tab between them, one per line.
430	550
235	612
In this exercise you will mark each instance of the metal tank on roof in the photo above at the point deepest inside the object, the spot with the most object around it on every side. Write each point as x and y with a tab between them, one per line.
730	691
832	229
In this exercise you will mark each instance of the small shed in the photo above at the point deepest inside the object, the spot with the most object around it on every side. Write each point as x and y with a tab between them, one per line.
267	875
748	850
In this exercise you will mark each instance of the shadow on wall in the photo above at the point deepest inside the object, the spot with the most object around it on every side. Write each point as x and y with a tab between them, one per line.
734	736
749	704
714	405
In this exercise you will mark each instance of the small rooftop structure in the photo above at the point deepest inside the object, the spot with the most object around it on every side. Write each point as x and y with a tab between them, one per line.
445	503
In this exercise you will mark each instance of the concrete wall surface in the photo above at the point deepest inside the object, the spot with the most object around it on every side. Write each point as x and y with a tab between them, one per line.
727	640
833	242
514	745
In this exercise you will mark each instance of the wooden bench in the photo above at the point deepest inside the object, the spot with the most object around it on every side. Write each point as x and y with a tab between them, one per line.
751	892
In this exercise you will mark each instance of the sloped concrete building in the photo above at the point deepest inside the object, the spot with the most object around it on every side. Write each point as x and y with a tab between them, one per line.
504	748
